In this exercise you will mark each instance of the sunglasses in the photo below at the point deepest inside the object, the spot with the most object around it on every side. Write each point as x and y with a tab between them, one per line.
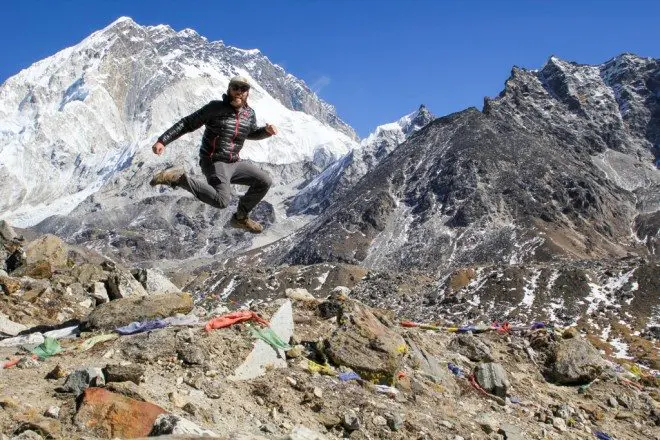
237	88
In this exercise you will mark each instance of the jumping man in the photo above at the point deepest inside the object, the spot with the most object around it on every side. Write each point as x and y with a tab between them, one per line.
228	124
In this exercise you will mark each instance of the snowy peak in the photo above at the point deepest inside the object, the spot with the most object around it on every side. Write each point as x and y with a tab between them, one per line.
337	179
402	128
84	115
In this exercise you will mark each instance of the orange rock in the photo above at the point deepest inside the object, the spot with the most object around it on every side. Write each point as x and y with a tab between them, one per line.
108	414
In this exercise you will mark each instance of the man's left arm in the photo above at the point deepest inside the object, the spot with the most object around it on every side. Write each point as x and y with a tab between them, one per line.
257	134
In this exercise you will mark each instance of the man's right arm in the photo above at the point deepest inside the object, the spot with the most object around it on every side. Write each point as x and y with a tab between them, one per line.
186	125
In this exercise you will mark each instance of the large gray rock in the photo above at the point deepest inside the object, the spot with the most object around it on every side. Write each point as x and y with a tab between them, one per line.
471	347
573	362
122	284
126	310
87	274
429	365
99	292
9	327
7	233
159	283
364	344
492	378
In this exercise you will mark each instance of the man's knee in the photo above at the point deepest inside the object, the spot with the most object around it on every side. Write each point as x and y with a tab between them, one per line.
266	181
221	200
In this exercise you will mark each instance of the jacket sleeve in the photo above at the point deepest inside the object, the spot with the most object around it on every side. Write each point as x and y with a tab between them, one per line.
257	133
186	125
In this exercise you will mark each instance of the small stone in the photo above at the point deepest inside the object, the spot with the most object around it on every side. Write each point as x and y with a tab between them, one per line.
176	399
447	424
28	434
559	424
191	408
511	432
53	412
624	415
27	362
268	428
108	354
487	423
291	381
7	403
211	373
318	392
179	381
394	421
86	303
350	421
295	352
612	402
380	421
260	401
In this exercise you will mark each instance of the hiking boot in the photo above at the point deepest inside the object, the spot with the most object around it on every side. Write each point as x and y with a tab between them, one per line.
169	176
246	223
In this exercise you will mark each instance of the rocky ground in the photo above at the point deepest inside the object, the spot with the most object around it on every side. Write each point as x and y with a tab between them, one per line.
349	370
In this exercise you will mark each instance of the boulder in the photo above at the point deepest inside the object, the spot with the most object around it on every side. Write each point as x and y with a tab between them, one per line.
156	282
299	294
88	274
429	364
364	344
48	248
99	293
7	233
41	270
9	327
471	347
492	377
142	308
122	284
109	415
124	373
573	362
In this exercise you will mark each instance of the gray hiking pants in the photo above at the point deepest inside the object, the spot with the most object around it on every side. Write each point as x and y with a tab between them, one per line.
216	189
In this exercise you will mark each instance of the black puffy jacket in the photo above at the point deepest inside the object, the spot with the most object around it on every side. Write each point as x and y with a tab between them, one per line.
226	130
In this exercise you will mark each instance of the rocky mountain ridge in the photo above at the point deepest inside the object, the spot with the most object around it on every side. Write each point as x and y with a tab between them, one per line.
560	165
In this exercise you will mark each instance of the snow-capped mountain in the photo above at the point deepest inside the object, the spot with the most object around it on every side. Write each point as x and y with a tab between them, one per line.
339	177
82	121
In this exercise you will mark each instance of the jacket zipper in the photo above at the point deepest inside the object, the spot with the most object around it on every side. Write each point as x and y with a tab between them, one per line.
231	148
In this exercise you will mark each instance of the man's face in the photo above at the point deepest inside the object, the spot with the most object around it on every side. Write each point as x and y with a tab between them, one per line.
238	94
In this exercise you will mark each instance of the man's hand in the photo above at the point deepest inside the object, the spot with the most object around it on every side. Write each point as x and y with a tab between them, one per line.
158	148
271	130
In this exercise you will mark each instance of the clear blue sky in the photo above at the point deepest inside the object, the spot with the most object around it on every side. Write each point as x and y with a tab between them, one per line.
373	60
